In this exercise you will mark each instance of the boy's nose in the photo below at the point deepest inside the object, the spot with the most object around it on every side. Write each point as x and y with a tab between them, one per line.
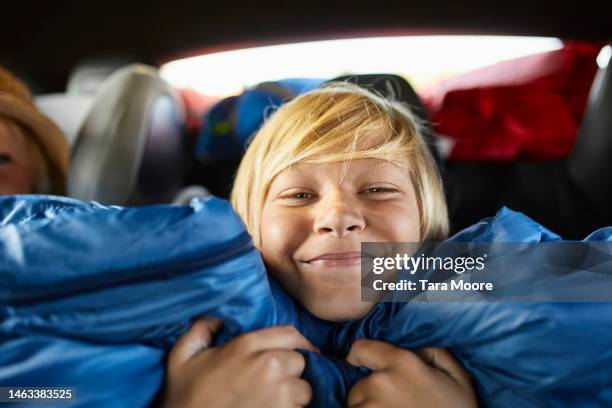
339	218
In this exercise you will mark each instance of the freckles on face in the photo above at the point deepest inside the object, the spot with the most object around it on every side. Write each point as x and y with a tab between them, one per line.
314	221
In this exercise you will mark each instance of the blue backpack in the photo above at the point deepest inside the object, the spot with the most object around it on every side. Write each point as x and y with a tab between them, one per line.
229	124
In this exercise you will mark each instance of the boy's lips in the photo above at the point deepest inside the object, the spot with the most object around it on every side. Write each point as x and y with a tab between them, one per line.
337	259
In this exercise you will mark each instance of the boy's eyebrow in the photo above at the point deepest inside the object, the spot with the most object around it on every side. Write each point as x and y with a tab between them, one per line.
288	173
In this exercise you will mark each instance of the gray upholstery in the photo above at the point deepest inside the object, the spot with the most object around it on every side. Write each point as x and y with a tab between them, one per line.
129	148
590	164
67	111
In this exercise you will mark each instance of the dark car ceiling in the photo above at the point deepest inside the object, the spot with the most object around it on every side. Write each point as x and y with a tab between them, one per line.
44	40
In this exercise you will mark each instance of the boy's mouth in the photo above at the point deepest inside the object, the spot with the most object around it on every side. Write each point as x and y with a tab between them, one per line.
337	259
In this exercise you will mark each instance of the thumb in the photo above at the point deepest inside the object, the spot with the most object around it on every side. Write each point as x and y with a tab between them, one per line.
373	354
198	338
443	360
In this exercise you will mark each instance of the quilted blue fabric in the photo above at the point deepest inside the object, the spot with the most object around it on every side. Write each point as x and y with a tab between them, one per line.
93	297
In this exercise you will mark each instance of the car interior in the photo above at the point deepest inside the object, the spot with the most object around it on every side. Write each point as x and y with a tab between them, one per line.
132	142
139	285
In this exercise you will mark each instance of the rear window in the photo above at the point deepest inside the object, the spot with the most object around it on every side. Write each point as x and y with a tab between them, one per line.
422	60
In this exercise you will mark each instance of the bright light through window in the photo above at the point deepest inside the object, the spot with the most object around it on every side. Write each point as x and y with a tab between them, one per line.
420	59
604	56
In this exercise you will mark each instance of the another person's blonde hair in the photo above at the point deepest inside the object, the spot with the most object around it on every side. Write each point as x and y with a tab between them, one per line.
339	122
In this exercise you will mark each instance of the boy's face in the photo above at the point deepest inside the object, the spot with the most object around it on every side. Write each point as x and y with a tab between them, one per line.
312	227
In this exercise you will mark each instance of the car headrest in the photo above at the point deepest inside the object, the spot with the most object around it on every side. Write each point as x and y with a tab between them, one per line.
590	164
67	111
229	125
88	75
129	148
397	88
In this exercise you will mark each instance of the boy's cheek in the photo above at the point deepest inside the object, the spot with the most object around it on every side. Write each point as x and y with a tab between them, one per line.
281	236
279	241
396	224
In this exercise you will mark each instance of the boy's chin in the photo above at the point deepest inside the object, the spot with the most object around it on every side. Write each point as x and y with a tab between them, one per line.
337	312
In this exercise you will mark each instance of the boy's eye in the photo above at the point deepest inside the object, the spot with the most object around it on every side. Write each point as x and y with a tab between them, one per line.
379	190
299	195
5	158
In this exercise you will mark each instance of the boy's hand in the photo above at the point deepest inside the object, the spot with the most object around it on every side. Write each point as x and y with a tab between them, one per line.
429	377
257	369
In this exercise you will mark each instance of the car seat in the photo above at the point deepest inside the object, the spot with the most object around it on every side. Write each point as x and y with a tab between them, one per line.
70	108
129	149
570	196
590	163
67	111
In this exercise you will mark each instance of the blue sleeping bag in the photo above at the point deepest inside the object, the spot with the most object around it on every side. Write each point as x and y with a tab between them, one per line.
92	297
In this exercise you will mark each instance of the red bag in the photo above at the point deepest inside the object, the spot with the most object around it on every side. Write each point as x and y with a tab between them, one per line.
528	108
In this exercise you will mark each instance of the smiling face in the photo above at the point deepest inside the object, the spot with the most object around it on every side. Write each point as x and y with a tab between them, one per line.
314	221
335	167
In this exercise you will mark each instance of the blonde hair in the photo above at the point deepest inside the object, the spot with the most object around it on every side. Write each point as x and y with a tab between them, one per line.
339	123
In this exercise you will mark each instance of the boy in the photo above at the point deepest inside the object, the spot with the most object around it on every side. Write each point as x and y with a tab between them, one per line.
331	169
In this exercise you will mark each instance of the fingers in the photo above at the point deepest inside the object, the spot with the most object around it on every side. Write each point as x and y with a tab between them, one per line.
281	337
442	359
357	395
300	391
378	355
363	404
282	362
199	337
